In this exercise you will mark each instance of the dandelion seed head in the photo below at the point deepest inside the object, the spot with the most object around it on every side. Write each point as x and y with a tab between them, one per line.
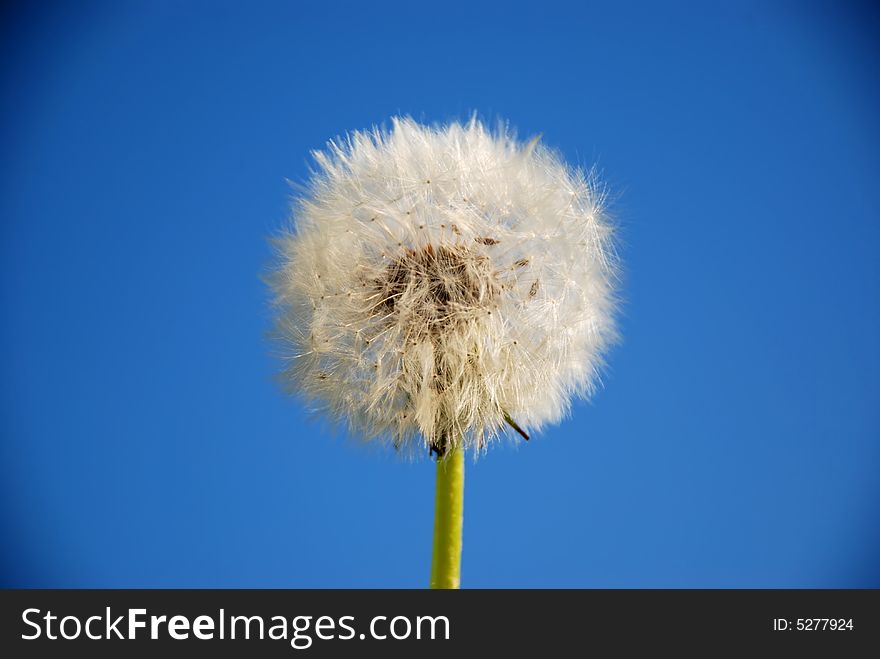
438	280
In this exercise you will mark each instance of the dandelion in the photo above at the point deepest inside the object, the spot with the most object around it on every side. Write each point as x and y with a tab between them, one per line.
444	287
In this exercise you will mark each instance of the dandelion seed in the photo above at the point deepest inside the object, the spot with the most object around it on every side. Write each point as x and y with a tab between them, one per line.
530	241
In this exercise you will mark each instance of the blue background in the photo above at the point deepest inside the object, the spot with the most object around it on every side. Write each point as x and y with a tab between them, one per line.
145	148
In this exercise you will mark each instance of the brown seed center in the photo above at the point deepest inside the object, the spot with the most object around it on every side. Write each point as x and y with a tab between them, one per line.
439	285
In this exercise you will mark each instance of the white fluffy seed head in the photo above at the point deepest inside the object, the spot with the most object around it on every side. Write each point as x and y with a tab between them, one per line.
441	281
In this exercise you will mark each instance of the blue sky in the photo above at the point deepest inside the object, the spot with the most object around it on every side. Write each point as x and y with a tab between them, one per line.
145	152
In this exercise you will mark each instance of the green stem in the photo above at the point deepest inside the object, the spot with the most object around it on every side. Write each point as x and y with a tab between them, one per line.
448	516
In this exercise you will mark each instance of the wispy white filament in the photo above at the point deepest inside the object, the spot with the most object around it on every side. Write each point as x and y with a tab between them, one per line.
437	279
